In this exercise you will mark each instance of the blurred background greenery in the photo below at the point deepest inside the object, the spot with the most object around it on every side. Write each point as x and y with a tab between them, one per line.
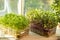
28	5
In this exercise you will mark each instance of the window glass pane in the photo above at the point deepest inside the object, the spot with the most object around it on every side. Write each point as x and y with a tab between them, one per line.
1	4
36	4
2	7
13	5
32	4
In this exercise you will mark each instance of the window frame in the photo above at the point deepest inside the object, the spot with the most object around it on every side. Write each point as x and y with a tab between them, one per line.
4	7
21	7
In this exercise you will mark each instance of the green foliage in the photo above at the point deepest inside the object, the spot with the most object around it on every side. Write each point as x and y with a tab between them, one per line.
14	21
0	19
56	8
48	18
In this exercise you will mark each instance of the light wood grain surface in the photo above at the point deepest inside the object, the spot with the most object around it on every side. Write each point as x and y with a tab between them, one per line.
33	36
